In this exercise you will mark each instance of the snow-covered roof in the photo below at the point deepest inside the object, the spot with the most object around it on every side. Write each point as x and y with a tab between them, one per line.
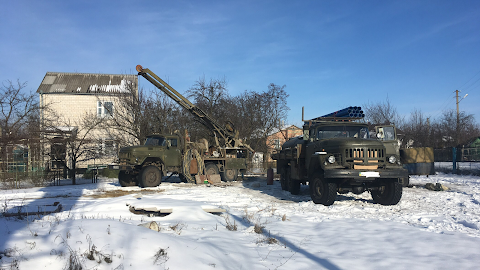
82	83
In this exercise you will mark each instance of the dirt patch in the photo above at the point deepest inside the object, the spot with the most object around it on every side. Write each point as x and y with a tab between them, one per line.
120	192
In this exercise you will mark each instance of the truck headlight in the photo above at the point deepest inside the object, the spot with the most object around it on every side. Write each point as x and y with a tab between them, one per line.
331	159
392	159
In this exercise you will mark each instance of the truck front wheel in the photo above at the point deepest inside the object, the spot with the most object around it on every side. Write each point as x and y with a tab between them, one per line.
322	191
150	176
389	193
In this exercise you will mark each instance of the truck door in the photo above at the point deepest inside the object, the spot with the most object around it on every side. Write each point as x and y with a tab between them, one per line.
172	153
388	135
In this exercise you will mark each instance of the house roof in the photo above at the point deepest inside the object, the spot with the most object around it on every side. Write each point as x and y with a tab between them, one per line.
473	142
291	127
87	83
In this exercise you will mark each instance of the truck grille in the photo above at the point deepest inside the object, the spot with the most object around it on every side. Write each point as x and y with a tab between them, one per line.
361	153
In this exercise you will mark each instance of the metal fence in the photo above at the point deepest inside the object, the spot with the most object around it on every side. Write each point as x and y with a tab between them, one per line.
464	168
460	154
17	179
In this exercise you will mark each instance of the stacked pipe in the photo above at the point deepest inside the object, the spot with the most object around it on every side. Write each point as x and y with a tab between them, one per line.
352	111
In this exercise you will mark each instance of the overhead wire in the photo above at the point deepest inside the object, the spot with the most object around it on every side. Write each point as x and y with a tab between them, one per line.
445	103
471	79
443	106
468	87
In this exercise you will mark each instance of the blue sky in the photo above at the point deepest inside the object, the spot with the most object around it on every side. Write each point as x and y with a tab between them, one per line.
329	54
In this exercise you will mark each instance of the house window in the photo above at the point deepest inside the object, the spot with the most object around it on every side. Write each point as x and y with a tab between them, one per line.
108	147
276	144
104	109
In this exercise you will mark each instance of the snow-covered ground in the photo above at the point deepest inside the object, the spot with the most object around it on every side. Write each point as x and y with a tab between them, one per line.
269	228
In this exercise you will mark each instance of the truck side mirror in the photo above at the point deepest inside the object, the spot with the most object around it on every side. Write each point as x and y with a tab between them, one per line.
305	135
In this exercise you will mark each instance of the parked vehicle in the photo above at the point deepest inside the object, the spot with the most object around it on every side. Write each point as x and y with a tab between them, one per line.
145	165
337	155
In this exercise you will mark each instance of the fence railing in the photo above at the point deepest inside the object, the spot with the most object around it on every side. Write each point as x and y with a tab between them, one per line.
15	179
461	154
464	168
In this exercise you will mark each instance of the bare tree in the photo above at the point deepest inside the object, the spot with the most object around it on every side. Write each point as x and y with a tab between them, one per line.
17	109
417	130
382	113
445	129
208	95
75	141
260	114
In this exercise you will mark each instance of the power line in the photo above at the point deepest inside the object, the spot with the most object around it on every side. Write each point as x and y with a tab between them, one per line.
472	84
443	106
470	80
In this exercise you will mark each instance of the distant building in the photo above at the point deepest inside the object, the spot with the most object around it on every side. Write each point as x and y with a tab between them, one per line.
470	150
69	99
277	139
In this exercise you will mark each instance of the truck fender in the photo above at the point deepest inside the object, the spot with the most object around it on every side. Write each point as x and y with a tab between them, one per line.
155	162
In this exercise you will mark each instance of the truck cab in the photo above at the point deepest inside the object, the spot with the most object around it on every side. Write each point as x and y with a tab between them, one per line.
162	151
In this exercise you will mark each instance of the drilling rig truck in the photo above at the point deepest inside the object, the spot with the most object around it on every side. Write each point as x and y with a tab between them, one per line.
145	165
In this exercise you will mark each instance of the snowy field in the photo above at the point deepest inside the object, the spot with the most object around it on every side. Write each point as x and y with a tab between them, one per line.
263	227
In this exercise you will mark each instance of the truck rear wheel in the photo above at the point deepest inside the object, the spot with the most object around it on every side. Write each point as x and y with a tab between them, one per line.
389	192
229	175
322	191
126	180
150	176
283	180
406	181
293	185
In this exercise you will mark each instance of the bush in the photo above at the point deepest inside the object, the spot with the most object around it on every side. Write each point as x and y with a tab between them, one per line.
109	173
103	172
88	174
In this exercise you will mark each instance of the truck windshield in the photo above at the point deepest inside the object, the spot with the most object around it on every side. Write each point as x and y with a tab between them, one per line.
386	133
342	132
155	141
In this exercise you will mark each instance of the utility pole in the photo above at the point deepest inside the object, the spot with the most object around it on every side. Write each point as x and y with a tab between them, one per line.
428	132
458	118
458	114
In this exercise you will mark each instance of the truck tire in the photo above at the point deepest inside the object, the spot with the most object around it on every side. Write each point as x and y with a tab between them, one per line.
293	185
283	180
150	176
182	178
406	181
322	191
389	193
229	175
126	180
211	168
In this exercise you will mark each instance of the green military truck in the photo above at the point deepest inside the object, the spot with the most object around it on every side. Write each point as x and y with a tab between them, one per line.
145	165
337	155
